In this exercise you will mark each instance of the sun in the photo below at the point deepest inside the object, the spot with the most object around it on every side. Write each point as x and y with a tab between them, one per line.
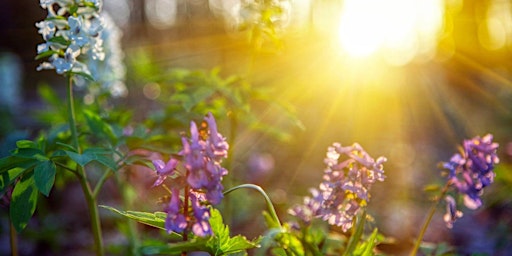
398	28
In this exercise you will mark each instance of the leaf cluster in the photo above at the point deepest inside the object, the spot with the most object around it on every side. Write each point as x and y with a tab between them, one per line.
221	243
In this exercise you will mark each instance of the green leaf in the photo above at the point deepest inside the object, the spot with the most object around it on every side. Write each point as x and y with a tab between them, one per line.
26	144
31	153
23	202
102	156
59	40
46	54
10	162
81	159
366	248
99	127
175	248
8	177
221	243
156	219
44	175
99	155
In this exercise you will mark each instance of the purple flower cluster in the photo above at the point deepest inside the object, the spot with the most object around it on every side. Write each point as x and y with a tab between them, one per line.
345	187
469	172
201	178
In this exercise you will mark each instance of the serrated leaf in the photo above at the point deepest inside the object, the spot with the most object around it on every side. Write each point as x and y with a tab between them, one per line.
23	202
221	243
156	219
44	176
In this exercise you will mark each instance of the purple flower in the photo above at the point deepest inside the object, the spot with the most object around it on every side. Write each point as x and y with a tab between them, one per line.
345	187
217	146
163	170
452	214
201	168
175	221
471	171
202	215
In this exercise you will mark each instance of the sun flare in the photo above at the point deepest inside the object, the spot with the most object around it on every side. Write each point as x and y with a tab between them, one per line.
401	29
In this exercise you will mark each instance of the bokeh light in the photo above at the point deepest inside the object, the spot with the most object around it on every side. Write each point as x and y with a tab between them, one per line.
399	29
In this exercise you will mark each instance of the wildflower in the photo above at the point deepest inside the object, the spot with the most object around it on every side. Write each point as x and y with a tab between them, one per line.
345	186
452	214
163	169
470	171
175	220
106	63
202	155
70	30
202	215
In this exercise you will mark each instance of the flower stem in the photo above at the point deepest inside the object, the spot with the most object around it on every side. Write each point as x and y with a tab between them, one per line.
71	115
13	239
89	195
427	221
262	192
185	213
92	205
270	206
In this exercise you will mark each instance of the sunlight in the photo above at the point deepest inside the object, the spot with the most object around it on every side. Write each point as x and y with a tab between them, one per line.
400	29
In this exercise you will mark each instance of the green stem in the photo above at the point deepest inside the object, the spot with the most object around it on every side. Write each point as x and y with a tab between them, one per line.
92	205
89	195
427	221
71	115
185	212
270	206
65	167
13	239
100	183
356	234
262	192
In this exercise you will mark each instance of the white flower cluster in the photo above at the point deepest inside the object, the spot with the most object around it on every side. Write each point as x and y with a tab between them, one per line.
110	73
71	29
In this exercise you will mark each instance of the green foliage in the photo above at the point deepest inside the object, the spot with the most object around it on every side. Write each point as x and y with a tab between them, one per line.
99	127
366	247
156	219
44	175
441	249
190	94
221	243
100	155
23	202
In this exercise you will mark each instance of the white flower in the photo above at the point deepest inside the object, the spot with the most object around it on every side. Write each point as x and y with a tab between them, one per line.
46	29
74	36
45	65
42	48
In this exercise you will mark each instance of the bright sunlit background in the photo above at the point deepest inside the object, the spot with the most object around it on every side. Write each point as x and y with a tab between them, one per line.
407	79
